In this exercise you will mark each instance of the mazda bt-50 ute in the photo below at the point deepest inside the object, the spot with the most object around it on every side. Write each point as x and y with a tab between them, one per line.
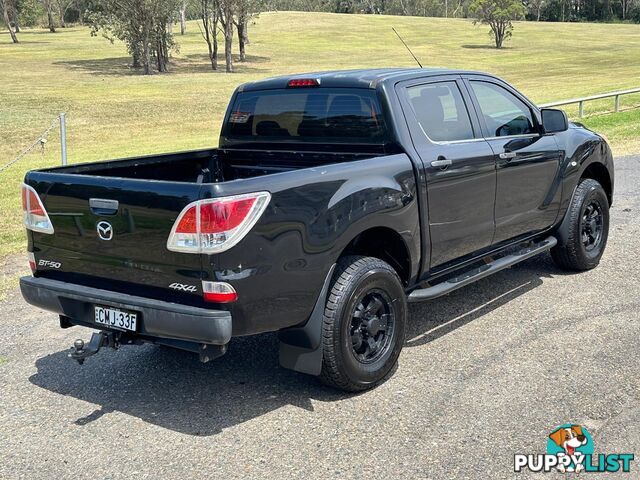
332	201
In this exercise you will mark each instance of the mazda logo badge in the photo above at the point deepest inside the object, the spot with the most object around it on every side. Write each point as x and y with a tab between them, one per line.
105	230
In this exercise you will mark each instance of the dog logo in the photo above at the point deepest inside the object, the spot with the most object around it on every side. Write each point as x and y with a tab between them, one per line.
570	449
105	230
572	441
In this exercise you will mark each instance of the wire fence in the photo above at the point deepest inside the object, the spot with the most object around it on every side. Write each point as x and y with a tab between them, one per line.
41	141
60	121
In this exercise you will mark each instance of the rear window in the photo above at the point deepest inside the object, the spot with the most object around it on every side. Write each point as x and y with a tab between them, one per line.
320	115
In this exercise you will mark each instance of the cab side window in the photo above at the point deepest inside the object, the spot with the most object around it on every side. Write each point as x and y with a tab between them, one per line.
441	111
504	113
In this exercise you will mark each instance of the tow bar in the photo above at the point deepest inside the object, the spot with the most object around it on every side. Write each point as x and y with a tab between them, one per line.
80	352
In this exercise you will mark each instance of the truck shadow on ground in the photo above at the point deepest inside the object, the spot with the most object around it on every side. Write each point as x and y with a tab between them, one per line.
173	390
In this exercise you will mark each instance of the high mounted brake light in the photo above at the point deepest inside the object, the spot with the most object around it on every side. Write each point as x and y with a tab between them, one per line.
303	82
34	214
217	224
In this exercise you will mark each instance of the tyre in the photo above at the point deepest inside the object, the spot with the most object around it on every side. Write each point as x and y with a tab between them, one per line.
588	228
363	325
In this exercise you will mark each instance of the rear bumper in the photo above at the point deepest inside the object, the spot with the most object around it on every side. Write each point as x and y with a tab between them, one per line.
157	318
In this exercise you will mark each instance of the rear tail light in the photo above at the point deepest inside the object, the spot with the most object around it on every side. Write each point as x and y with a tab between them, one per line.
32	261
217	224
218	292
34	213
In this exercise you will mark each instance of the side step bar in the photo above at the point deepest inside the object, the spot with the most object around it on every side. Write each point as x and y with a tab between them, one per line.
471	276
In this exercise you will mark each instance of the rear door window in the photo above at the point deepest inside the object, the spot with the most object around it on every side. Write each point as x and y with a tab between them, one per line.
441	111
307	115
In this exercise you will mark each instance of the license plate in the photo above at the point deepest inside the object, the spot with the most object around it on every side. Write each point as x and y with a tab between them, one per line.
116	318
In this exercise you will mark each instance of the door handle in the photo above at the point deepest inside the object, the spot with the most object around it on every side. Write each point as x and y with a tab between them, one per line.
508	155
441	163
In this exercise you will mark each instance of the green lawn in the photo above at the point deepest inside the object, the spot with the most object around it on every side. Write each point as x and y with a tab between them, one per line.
114	112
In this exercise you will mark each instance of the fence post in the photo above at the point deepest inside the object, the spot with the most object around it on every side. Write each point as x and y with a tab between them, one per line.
63	139
617	107
580	109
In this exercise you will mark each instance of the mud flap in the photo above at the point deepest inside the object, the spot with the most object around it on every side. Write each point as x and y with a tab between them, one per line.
301	347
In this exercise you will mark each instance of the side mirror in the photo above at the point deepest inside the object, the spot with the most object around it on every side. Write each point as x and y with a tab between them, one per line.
554	120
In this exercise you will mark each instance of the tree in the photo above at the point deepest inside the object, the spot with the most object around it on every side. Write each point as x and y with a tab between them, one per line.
625	6
141	24
5	13
183	17
14	16
210	19
498	14
63	6
48	5
243	15
226	11
535	8
25	12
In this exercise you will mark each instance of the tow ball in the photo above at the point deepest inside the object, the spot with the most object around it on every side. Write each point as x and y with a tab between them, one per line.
80	352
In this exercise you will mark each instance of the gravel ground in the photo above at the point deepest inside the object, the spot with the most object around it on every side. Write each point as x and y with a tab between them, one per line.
486	372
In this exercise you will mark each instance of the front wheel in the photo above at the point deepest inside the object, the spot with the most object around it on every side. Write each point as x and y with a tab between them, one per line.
364	323
588	229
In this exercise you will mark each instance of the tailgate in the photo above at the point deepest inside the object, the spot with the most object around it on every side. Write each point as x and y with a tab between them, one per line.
112	233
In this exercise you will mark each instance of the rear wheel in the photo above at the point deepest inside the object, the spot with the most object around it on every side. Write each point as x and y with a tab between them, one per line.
364	323
588	229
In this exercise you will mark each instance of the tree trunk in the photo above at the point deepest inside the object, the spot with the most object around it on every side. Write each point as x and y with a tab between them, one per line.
498	34
61	15
539	12
228	36
16	21
5	14
211	58
242	36
210	17
159	57
52	25
183	18
146	54
162	54
214	58
135	63
228	43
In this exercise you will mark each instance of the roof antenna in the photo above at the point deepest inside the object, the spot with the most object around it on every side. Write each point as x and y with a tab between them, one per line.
403	42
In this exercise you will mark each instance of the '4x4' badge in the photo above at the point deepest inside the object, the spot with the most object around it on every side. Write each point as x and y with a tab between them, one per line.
182	287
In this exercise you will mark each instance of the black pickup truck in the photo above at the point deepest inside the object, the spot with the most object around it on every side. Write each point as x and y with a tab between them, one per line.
332	201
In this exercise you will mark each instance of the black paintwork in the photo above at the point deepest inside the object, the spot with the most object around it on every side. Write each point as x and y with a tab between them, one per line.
321	201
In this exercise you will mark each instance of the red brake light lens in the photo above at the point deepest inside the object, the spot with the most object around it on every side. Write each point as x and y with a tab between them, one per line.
217	224
303	82
223	216
188	222
34	214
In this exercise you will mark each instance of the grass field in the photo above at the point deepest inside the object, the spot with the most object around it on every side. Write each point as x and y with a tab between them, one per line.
114	112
